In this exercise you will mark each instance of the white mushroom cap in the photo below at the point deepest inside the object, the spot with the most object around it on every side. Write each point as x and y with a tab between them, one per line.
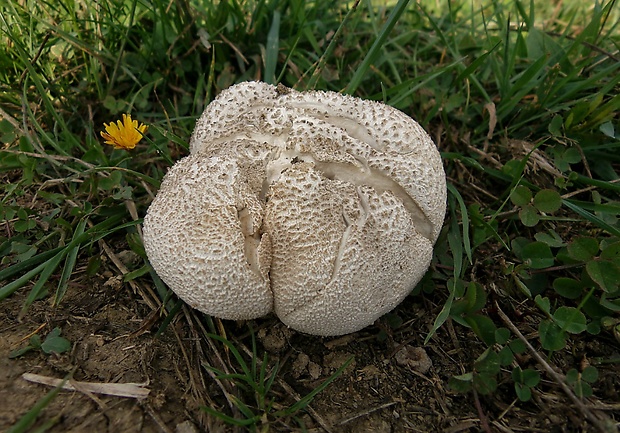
321	207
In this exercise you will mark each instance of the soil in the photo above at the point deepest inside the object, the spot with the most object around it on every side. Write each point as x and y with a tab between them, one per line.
394	383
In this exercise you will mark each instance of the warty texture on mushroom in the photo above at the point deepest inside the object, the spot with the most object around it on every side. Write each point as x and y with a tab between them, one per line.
320	207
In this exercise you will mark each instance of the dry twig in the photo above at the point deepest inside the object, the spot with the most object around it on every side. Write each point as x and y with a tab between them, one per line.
368	412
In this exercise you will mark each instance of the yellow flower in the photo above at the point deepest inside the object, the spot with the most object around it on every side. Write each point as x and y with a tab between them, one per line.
125	134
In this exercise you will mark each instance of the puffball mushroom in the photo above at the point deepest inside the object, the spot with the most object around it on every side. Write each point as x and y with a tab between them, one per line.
320	207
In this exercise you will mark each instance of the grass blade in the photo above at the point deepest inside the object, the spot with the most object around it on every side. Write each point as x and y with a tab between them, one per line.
20	267
46	273
316	74
465	221
305	400
376	47
272	49
592	218
93	234
70	262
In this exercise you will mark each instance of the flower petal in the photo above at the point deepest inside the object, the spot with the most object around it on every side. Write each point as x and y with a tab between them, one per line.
124	134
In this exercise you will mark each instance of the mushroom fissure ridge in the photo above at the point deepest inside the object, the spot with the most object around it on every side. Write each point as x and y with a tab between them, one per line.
252	239
381	183
319	207
341	247
355	175
351	126
350	224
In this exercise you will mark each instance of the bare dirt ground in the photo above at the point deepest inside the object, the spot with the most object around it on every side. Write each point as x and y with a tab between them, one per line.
388	386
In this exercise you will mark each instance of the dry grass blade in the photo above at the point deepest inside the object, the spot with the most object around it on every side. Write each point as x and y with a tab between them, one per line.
129	390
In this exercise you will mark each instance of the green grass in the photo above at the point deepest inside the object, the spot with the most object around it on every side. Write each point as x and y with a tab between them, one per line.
521	98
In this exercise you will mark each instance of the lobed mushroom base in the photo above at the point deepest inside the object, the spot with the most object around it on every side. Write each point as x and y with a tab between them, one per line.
320	207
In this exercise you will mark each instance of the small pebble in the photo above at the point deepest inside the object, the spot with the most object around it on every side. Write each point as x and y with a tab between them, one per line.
414	358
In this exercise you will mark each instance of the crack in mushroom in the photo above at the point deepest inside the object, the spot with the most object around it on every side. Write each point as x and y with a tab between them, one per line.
353	128
357	176
252	239
381	183
346	234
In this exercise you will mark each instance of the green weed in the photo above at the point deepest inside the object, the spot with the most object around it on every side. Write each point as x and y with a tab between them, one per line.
53	343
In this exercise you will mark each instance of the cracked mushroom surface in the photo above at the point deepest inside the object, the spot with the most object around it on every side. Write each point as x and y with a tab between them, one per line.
320	207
